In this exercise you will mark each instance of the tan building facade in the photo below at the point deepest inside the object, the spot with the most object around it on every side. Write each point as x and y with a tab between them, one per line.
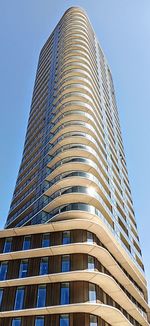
70	251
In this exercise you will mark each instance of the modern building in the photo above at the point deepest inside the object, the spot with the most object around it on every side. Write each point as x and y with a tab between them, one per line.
70	251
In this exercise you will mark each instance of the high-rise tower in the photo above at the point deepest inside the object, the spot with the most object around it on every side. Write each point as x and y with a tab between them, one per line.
70	252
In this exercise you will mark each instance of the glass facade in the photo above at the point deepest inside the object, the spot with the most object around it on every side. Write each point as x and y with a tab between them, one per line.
77	116
73	193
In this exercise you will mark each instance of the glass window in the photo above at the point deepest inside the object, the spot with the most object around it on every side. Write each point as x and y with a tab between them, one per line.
3	271
93	320
41	297
27	242
89	237
64	320
65	263
44	266
7	245
19	299
23	271
39	321
64	293
66	237
1	296
46	240
91	263
16	322
92	292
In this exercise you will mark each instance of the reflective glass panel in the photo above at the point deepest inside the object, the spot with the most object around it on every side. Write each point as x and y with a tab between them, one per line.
65	263
1	296
16	322
44	266
3	271
19	299
89	237
66	237
23	271
39	321
91	263
46	240
41	297
64	295
93	320
64	320
7	245
27	243
92	293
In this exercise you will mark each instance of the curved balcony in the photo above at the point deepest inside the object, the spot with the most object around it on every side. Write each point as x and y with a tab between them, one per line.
72	156
77	90
78	79
77	115
74	34
104	281
79	48
70	124
80	137
108	313
79	166
87	221
77	71
78	65
84	107
80	87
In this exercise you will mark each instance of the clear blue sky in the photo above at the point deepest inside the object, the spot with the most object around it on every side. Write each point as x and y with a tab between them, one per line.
123	29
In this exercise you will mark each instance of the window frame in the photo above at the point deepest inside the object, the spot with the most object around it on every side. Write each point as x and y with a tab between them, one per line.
39	318
21	271
19	288
63	269
40	296
64	295
7	240
91	265
4	263
47	264
93	322
90	238
23	245
16	319
64	238
48	235
61	319
92	292
1	296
